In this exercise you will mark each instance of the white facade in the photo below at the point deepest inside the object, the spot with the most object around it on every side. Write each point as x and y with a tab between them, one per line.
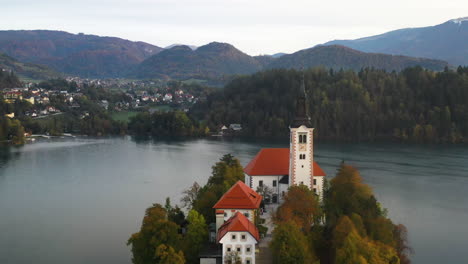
271	181
240	243
318	186
301	156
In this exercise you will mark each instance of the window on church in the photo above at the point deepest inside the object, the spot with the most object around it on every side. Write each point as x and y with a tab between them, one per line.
274	183
315	181
260	183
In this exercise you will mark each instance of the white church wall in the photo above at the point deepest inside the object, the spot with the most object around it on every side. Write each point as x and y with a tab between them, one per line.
318	187
272	182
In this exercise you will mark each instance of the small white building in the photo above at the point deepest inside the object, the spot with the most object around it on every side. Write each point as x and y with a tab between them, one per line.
238	237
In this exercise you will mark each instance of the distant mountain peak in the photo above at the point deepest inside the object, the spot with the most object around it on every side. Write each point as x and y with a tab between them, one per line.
459	20
216	46
446	41
178	44
179	47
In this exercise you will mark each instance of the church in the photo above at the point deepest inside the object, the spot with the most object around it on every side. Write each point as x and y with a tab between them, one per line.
275	168
278	168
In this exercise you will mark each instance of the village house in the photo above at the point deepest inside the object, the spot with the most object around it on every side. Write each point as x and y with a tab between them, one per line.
11	96
239	237
167	97
239	198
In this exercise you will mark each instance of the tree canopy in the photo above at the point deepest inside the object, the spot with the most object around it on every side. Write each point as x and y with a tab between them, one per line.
412	105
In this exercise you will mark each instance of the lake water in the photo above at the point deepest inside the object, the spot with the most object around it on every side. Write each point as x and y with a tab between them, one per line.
78	200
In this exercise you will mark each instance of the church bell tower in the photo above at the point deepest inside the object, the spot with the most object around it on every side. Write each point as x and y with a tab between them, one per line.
301	152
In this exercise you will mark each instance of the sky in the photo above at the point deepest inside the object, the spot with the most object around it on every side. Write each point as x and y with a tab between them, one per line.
253	26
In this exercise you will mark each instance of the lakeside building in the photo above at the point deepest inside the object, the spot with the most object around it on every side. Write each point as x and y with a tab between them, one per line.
236	211
239	198
239	237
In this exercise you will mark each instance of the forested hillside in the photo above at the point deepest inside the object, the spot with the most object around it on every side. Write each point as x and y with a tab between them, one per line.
76	54
209	61
413	105
8	80
27	70
339	57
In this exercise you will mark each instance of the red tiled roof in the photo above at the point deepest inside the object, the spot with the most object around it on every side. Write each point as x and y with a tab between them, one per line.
274	161
240	196
238	223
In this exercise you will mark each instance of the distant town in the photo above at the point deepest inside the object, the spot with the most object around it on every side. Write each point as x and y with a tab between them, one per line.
138	94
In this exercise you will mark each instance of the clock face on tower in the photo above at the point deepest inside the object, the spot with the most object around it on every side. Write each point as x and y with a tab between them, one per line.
302	147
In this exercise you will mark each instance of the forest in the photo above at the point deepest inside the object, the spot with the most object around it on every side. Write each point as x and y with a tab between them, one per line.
414	105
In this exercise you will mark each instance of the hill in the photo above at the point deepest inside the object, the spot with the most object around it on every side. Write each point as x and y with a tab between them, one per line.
337	57
209	61
76	54
412	105
446	41
27	70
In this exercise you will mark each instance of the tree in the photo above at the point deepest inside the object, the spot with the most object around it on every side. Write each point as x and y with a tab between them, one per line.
289	244
155	230
196	236
225	173
301	206
190	195
232	258
402	246
265	191
167	255
350	247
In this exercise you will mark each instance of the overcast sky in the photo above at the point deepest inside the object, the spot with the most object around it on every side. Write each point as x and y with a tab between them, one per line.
253	26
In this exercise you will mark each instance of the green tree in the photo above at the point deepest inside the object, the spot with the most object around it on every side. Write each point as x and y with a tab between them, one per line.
196	236
290	245
155	230
225	173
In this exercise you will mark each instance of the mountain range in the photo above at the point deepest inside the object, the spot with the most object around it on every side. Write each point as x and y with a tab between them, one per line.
45	51
209	61
76	54
447	41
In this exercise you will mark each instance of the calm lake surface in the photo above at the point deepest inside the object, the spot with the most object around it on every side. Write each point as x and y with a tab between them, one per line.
78	200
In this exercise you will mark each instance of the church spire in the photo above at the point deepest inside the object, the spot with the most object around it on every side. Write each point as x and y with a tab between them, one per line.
302	115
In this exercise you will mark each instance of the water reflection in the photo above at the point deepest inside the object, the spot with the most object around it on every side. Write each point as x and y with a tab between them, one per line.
8	153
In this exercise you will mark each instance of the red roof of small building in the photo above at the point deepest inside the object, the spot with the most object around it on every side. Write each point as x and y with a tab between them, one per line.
274	161
240	196
238	223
